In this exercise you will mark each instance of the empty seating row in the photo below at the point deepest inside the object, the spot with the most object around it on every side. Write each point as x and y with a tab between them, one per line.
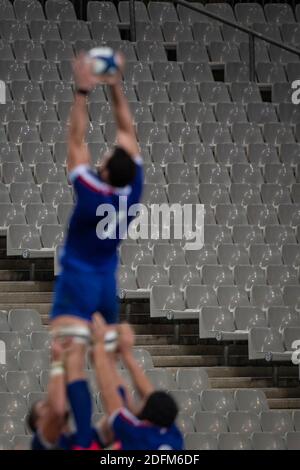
167	301
225	154
236	441
156	12
271	344
143	88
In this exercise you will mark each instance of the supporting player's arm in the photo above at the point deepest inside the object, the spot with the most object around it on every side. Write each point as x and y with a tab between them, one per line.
54	420
106	380
140	380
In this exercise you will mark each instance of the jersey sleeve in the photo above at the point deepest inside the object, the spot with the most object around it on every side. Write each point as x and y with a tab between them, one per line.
125	425
86	183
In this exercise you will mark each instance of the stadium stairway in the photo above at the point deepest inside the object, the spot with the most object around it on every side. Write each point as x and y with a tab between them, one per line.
17	290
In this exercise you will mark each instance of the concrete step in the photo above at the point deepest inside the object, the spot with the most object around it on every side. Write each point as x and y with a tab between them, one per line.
181	349
25	297
197	361
284	403
251	371
19	263
28	286
43	309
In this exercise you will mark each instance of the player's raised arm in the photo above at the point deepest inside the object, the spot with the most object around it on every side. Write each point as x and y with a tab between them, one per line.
126	136
140	380
106	380
85	81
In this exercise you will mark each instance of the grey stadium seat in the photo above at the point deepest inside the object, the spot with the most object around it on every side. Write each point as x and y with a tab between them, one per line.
140	11
161	379
205	32
199	296
276	421
52	236
247	276
279	235
21	238
187	400
11	426
148	275
149	51
40	340
216	322
248	317
55	193
13	404
266	343
191	51
293	440
260	154
148	32
42	30
247	234
160	12
11	214
265	296
182	92
35	361
167	300
220	401
232	297
22	382
175	32
231	214
251	400
234	441
249	13
57	10
34	152
15	340
262	255
216	275
210	422
243	422
200	441
102	11
281	317
267	441
207	255
28	11
24	320
195	379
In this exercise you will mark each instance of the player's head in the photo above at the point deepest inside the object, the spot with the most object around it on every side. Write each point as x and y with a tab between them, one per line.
160	409
118	168
37	413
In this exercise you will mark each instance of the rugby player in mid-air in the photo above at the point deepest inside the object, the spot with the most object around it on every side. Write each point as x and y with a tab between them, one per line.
87	282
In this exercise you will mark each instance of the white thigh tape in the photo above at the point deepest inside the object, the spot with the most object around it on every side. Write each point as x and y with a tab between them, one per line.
111	341
81	334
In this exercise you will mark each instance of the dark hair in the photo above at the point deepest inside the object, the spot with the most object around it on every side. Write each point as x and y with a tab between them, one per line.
32	417
160	409
121	168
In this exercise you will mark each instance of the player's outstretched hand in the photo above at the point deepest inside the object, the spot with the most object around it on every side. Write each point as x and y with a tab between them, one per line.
84	77
59	348
115	78
126	337
99	328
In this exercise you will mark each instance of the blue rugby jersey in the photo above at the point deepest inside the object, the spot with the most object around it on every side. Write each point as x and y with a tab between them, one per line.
83	248
134	434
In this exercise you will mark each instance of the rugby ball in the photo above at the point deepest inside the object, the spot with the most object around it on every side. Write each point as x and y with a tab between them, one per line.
104	60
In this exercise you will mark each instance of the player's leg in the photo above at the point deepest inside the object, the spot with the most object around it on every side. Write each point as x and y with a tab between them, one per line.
79	395
108	302
75	299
